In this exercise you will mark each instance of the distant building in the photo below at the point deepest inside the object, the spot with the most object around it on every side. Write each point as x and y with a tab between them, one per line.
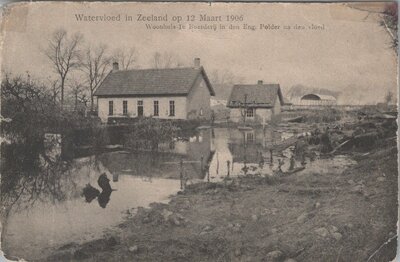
317	100
172	93
218	102
258	102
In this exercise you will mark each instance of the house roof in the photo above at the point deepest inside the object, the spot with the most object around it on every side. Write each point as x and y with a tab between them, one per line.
260	95
151	82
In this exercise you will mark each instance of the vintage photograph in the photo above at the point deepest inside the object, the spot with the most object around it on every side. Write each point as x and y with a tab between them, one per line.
199	131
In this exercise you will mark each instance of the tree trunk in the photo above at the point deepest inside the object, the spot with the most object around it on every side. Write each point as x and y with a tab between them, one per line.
91	99
76	101
62	91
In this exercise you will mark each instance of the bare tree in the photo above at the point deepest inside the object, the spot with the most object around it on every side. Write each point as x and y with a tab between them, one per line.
388	18
54	88
389	97
78	93
389	21
126	58
64	54
95	64
166	60
222	81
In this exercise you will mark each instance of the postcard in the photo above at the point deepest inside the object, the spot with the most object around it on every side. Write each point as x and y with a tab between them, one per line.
176	131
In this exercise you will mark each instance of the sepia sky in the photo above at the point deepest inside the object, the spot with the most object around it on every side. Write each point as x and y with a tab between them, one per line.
351	55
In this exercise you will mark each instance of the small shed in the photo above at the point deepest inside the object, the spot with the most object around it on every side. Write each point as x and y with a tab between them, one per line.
317	100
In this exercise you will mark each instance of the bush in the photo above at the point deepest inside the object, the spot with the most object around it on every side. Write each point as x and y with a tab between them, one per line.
148	133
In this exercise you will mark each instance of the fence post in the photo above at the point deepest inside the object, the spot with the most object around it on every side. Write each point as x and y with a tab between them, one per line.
181	172
201	164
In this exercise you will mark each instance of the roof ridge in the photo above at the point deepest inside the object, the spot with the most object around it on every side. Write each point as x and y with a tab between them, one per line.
155	69
265	84
177	80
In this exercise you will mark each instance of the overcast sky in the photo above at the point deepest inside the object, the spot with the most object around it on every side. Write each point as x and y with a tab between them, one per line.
351	54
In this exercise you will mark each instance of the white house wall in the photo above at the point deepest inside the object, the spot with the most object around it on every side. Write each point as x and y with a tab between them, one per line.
148	107
198	105
260	114
277	106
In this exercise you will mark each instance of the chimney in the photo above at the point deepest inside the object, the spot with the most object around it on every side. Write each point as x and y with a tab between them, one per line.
197	62
115	66
260	82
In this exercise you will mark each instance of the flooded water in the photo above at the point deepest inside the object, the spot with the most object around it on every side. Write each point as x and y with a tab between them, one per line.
32	230
48	209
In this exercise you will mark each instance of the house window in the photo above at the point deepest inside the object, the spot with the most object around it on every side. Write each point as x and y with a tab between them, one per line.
110	108
155	108
250	137
140	107
125	107
250	112
171	108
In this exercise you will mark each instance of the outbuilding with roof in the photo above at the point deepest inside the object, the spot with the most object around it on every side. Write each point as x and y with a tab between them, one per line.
255	103
317	100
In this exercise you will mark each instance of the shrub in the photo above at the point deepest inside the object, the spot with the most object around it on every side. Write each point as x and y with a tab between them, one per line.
148	133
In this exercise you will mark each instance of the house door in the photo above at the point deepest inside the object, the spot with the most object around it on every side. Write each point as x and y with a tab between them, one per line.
140	108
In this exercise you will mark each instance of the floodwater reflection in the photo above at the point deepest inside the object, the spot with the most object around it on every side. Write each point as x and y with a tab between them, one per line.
50	202
48	223
90	192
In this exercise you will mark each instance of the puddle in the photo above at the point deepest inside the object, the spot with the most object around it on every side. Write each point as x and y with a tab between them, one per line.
31	231
48	210
335	165
248	152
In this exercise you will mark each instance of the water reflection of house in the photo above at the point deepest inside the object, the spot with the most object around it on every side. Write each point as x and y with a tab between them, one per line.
194	152
251	146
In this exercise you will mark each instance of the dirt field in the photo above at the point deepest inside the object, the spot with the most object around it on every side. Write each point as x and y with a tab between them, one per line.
307	216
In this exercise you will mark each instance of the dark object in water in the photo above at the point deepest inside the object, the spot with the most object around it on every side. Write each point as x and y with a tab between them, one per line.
90	193
104	198
104	182
295	170
298	119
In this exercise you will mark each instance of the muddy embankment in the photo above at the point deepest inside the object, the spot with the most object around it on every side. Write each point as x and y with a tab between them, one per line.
336	215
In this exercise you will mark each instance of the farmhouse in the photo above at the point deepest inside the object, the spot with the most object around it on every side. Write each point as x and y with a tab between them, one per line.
257	102
317	100
172	93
